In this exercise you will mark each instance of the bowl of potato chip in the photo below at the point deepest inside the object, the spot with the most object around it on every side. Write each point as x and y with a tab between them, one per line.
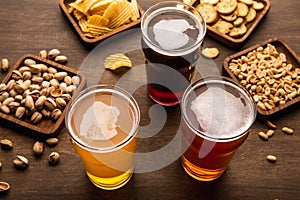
96	20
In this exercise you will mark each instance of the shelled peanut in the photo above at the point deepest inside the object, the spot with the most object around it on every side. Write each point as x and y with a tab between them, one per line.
268	76
36	91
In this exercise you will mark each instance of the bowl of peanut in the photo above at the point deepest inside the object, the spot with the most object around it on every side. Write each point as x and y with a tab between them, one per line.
270	70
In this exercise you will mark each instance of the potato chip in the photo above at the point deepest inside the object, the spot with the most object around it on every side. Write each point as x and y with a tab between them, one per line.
116	61
83	24
98	20
210	52
135	10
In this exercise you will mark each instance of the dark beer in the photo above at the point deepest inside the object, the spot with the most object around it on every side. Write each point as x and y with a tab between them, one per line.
172	36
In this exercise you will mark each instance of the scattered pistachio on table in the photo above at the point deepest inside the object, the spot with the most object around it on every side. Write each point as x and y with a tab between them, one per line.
271	158
6	144
4	64
51	142
4	187
20	162
38	148
53	158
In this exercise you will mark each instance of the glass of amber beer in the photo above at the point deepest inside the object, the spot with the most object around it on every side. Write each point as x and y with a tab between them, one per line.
172	34
217	114
103	123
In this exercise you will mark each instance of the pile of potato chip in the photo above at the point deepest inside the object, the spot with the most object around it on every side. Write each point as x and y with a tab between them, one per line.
229	16
97	17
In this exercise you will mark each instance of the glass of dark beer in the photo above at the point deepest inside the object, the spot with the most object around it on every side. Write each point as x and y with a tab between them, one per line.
217	114
172	34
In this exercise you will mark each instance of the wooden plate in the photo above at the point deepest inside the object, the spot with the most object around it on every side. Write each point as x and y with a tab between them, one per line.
238	42
47	127
92	42
282	47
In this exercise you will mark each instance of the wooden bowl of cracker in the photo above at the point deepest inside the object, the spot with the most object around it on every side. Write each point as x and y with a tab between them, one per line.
96	20
270	70
231	21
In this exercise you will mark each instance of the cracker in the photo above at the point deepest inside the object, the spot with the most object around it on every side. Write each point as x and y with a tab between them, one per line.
242	9
208	11
238	21
251	15
223	26
238	31
231	17
226	7
258	5
248	2
213	2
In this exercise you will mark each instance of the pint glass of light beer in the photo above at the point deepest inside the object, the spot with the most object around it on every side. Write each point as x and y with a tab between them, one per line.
172	34
217	114
103	123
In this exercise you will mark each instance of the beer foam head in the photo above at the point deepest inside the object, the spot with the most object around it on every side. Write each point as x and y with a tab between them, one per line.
221	114
99	122
168	31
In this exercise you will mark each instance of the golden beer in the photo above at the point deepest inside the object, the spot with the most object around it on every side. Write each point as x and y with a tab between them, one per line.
103	124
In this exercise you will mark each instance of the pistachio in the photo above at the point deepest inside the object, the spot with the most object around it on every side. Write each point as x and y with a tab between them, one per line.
6	144
19	87
20	112
29	62
4	96
4	64
8	100
29	103
37	80
13	93
0	165
51	142
46	113
10	84
50	104
4	187
56	93
53	158
18	98
24	69
38	148
45	84
4	109
39	103
16	75
63	87
61	59
36	117
55	114
43	54
66	97
13	106
47	76
53	53
37	68
3	87
61	103
20	162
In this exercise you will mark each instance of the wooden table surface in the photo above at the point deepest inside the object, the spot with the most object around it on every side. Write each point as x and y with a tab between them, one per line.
27	26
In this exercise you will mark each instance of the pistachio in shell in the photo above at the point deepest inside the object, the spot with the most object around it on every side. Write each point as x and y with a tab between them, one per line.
21	162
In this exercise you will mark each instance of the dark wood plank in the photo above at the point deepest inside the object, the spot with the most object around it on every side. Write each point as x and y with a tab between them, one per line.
28	26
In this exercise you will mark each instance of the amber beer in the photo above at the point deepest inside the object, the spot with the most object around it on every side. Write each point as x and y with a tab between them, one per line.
172	33
217	114
103	124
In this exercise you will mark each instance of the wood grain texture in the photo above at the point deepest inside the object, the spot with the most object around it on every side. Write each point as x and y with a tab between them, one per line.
28	26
